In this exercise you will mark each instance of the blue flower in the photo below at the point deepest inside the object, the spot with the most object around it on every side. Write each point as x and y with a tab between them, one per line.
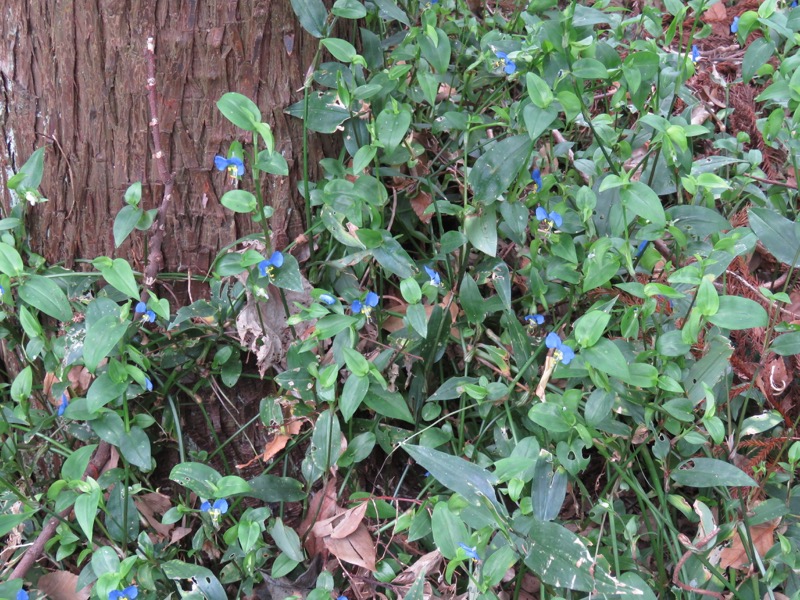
469	551
148	316
22	595
2	292
510	66
549	219
129	593
219	508
536	175
534	320
735	25
267	266
793	4
435	278
233	165
562	352
365	307
327	299
62	406
345	597
695	54
148	385
642	247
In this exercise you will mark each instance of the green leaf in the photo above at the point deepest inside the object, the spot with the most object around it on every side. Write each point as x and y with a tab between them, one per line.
590	327
461	476
349	9
758	53
710	472
707	299
777	233
104	390
353	392
22	385
606	357
559	557
538	90
101	338
75	465
448	530
392	127
206	581
118	274
45	295
269	488
10	260
388	404
737	313
232	485
589	68
198	477
550	416
418	319
787	344
393	257
273	163
471	300
325	441
86	510
497	565
135	447
499	167
340	49
481	229
133	195
30	174
537	121
644	202
388	11
239	201
312	16
240	110
436	52
324	114
287	540
125	222
288	276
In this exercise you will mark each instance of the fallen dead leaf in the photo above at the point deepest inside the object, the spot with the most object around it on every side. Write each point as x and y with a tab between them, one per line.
358	548
60	585
321	506
178	534
427	563
715	13
419	203
285	433
763	536
150	504
341	525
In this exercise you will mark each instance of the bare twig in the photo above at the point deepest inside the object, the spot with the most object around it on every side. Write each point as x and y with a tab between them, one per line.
677	572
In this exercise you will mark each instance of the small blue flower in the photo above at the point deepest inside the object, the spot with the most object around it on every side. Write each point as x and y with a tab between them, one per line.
219	508
562	352
534	320
148	316
695	54
510	66
536	175
435	278
129	593
2	292
793	4
642	247
22	595
233	165
548	218
327	299
62	406
735	25
267	266
345	597
469	551
365	307
148	385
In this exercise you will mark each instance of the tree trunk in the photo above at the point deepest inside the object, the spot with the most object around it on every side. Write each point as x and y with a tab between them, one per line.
74	79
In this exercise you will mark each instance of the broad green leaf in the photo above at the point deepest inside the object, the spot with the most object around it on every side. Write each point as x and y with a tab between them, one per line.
86	510
273	163
735	312
240	110
758	53
125	222
239	201
101	338
448	530
324	113
75	465
499	167
590	327
644	202
135	447
198	477
10	260
120	275
538	90
418	319
707	298
340	49
104	390
312	16
606	357
288	276
388	404
538	120
325	446
548	488
589	68
30	174
481	230
459	475
206	581
437	53
710	472
388	11
777	233
45	295
269	488
392	127
349	9
22	385
393	257
786	344
497	565
287	540
353	392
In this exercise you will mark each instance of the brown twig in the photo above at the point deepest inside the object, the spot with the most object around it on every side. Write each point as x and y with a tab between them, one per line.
677	572
34	551
155	257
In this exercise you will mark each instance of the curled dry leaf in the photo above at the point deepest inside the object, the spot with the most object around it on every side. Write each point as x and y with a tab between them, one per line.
151	504
278	442
763	536
321	506
343	524
60	585
346	537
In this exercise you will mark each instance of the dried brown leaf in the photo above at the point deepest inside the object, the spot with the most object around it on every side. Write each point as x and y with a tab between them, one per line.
735	556
341	525
321	506
716	13
427	563
60	585
419	203
150	504
358	548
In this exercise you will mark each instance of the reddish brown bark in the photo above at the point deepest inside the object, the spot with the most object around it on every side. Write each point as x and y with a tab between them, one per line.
73	78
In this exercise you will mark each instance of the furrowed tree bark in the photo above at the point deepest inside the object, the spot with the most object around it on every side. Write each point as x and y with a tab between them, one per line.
73	77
